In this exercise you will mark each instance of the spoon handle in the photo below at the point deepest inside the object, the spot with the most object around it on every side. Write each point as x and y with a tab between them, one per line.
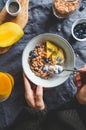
71	0
71	70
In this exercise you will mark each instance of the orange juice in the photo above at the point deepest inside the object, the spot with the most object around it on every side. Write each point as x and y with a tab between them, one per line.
6	85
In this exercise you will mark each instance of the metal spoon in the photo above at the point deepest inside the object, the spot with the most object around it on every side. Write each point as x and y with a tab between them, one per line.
57	69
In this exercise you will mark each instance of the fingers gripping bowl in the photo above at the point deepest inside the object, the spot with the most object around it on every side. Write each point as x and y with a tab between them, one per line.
69	60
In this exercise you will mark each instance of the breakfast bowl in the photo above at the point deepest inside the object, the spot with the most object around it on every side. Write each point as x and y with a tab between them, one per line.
53	41
79	29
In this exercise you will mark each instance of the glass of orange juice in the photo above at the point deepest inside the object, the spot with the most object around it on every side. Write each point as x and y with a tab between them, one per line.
6	85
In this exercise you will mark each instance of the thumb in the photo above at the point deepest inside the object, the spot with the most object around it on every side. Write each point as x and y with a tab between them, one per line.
83	69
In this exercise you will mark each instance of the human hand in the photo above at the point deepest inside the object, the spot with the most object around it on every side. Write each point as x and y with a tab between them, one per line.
80	82
80	77
34	98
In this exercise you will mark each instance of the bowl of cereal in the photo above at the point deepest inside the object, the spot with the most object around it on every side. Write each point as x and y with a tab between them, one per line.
47	50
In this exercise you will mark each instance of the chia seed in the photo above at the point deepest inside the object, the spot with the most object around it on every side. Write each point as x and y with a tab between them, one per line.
13	7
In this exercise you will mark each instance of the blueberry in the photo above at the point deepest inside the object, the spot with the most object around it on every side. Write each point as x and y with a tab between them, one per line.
83	35
78	27
30	62
76	34
59	58
37	47
85	31
75	30
80	36
59	70
46	60
81	7
32	54
84	25
81	31
43	68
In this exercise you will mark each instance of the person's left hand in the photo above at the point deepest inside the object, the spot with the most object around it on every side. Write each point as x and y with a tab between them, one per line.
34	97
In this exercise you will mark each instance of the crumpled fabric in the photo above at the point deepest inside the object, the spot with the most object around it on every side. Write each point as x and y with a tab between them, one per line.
41	20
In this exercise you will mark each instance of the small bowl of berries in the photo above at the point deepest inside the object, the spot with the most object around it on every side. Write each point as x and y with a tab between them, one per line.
79	29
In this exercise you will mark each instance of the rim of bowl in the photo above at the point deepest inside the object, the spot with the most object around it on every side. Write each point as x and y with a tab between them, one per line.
74	24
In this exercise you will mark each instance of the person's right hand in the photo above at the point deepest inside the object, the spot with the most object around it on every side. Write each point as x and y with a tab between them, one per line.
80	82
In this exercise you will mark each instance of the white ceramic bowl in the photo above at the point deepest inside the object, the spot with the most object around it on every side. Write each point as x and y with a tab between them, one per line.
78	21
69	60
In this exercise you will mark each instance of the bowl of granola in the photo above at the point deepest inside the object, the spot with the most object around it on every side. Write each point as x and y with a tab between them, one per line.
43	52
64	8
